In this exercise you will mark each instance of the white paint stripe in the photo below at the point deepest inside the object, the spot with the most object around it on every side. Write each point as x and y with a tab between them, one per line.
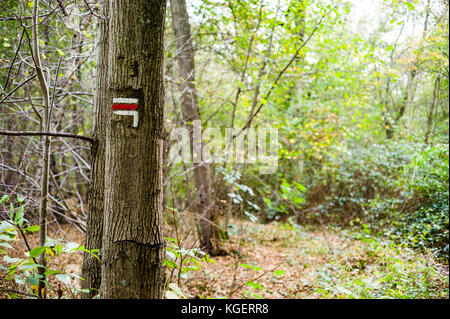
135	115
125	100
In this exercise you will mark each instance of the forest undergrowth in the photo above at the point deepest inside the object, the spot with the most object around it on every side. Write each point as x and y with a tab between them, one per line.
275	260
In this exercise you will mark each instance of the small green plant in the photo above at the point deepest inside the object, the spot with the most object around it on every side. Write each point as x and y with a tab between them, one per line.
20	275
253	286
290	199
380	269
181	263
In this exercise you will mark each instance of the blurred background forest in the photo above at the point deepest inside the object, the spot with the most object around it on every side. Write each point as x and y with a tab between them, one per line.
359	93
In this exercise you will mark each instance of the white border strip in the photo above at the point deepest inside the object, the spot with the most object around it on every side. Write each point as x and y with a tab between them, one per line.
125	100
135	115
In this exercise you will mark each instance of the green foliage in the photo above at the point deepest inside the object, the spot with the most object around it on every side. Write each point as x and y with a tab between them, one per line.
352	83
380	270
395	189
343	263
174	292
355	176
252	286
22	272
427	174
426	225
240	194
290	198
181	263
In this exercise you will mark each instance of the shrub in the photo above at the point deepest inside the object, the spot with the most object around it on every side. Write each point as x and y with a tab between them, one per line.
426	223
354	176
396	189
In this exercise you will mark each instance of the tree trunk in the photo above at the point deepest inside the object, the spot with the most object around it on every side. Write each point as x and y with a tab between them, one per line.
43	209
91	269
133	244
413	73
209	226
432	107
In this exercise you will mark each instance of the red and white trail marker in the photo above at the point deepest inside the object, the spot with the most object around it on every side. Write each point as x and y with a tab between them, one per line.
128	107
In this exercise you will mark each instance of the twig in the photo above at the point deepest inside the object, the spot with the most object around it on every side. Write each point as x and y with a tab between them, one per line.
17	87
23	293
92	11
256	278
54	134
280	74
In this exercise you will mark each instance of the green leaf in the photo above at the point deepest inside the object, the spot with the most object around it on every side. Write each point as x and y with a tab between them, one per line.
52	272
36	251
251	267
26	267
5	226
170	264
410	6
279	272
171	255
11	260
19	280
254	285
300	187
32	228
252	217
11	211
171	295
4	198
5	238
29	266
70	247
6	245
64	278
18	219
174	287
172	240
32	281
208	259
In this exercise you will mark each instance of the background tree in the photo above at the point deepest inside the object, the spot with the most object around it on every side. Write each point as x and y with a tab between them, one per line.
209	231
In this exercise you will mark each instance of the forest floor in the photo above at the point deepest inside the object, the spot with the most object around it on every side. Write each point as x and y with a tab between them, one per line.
284	261
316	262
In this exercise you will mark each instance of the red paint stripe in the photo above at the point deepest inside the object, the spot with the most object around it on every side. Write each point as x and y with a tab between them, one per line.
124	106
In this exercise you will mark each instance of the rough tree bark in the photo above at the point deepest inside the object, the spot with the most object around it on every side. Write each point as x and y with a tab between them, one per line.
209	226
91	269
437	83
133	244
